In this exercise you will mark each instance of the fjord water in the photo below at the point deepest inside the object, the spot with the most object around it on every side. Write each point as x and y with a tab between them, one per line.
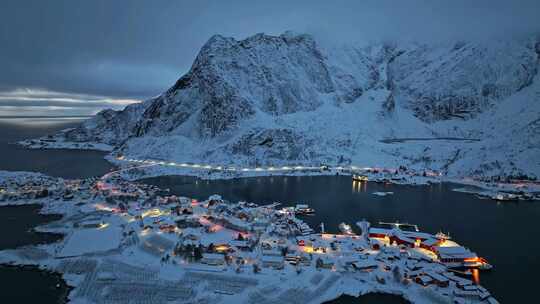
61	163
16	224
21	220
504	233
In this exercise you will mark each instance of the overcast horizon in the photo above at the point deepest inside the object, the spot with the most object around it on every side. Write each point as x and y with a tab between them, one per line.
76	58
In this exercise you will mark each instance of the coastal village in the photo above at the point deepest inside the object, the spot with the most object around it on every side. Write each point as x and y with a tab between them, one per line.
124	239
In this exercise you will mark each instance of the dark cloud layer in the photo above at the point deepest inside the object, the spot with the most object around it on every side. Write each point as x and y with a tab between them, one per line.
136	49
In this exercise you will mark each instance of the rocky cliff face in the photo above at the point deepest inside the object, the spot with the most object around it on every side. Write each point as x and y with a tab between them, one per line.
285	99
462	79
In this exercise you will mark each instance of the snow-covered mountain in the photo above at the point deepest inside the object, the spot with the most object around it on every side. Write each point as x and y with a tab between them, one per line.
275	100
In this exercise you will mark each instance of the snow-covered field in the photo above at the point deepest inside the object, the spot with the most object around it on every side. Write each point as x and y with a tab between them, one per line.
84	241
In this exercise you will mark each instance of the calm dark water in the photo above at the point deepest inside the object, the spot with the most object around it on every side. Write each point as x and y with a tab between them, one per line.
30	285
505	234
19	221
27	284
60	163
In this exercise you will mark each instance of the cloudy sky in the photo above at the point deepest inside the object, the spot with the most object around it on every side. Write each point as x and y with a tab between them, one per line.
76	57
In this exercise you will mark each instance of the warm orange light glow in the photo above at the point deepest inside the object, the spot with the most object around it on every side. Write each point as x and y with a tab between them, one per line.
307	249
472	260
475	276
221	248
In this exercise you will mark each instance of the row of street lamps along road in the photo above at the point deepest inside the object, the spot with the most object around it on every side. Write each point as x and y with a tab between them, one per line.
232	168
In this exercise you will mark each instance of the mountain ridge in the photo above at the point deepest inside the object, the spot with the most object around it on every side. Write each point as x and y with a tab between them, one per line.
285	99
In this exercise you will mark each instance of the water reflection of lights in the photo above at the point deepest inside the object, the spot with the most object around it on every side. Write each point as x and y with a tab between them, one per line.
475	276
359	186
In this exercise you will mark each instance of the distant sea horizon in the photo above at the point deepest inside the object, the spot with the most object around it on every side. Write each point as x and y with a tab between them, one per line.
44	116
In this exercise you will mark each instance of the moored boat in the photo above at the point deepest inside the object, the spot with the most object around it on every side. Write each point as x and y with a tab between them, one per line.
303	209
346	229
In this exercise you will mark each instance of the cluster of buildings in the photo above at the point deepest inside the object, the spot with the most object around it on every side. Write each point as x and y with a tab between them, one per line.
39	187
251	238
439	245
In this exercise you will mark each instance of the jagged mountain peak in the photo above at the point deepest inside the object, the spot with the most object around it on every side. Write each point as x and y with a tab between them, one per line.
235	78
